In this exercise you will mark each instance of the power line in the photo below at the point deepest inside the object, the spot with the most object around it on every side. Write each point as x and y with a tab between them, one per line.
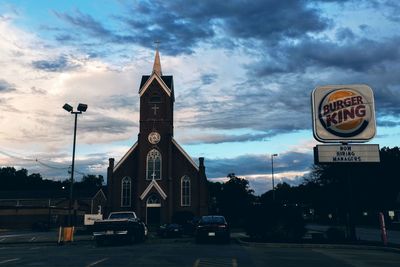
40	162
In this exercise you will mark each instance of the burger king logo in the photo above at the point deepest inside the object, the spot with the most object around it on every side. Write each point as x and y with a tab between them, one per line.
344	112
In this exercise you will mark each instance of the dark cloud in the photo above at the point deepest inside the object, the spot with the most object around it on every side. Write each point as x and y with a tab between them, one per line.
85	22
182	25
358	55
38	91
387	123
258	164
6	86
252	105
55	65
207	79
223	138
104	124
343	34
390	9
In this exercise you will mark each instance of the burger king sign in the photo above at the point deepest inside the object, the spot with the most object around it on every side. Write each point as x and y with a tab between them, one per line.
343	113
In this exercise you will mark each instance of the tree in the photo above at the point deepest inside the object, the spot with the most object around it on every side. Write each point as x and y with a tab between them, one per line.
363	186
236	199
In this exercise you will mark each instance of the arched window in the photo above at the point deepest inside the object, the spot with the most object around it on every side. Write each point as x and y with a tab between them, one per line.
153	201
186	197
153	165
126	192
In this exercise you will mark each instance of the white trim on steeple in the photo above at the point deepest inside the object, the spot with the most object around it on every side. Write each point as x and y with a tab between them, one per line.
154	184
159	80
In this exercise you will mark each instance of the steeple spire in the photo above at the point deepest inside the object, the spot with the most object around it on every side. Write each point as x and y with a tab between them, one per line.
157	62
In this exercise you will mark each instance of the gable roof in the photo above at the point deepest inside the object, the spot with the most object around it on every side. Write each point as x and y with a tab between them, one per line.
166	83
185	154
127	154
154	184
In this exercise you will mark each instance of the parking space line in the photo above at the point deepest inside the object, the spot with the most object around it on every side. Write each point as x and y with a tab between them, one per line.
10	260
96	262
215	262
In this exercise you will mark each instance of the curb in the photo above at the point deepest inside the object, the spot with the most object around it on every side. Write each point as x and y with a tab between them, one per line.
329	246
43	242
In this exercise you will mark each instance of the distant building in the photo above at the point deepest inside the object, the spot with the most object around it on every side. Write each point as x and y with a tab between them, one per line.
156	178
27	209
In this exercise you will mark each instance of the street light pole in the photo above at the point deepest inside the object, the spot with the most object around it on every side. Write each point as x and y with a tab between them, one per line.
81	108
272	172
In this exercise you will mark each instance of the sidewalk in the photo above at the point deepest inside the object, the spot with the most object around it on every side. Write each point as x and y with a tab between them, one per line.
362	233
17	237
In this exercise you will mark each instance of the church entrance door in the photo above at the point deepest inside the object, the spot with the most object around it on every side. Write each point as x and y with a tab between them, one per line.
153	210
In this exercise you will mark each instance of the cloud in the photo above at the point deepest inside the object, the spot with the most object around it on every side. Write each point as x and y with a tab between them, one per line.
59	64
324	53
6	86
223	138
183	26
103	124
84	21
258	164
207	79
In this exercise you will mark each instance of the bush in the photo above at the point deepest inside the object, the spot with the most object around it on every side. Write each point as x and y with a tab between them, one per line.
335	235
272	223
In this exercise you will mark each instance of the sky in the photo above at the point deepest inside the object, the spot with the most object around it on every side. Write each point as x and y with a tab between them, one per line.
243	76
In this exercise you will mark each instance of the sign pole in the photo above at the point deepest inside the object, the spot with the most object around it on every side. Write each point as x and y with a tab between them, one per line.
350	223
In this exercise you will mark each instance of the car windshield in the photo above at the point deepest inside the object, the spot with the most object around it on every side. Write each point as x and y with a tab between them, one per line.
212	220
126	215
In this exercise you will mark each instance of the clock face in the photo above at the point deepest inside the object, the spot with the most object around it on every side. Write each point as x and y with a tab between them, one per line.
154	138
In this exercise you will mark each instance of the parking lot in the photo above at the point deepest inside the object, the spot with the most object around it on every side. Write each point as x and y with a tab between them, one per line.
32	249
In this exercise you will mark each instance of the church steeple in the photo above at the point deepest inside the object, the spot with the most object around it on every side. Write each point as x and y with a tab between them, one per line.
157	63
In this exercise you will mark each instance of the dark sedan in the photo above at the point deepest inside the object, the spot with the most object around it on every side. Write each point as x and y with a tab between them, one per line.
212	227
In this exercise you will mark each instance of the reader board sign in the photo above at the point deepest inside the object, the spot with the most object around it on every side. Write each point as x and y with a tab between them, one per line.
343	113
89	219
352	153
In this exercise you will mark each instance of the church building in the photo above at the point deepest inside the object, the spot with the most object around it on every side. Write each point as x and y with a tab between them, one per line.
156	178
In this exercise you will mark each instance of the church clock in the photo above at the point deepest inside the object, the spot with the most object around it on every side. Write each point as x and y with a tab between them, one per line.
154	138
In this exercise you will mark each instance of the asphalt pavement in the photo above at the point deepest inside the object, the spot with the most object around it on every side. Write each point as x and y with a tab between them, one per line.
185	252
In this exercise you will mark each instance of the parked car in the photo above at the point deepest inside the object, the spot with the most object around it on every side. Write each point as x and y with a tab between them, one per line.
120	226
170	230
213	227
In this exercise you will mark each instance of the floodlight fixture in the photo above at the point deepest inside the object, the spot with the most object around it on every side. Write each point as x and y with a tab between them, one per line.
67	107
82	107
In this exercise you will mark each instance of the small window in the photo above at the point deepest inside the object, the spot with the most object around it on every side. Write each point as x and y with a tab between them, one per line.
185	191
155	98
126	192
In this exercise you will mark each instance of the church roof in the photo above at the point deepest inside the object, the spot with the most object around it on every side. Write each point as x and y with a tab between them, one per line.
185	154
167	79
154	184
127	154
157	64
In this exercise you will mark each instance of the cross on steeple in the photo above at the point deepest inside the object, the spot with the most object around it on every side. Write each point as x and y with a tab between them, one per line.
157	42
155	108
